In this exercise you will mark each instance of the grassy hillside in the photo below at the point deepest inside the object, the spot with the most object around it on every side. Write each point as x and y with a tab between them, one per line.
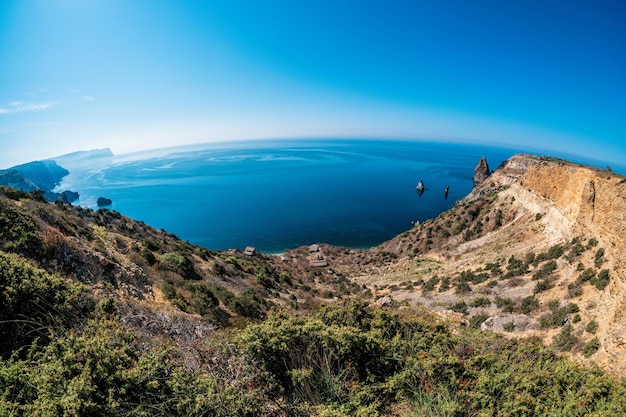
103	315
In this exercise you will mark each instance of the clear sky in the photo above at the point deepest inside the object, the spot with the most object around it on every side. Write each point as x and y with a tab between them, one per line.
137	74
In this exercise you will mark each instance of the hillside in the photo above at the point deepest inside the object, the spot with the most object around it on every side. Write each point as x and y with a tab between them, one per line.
139	322
538	237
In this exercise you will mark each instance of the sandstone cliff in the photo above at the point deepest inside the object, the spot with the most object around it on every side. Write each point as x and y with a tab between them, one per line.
519	248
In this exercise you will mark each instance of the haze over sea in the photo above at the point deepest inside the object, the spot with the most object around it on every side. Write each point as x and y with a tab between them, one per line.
277	195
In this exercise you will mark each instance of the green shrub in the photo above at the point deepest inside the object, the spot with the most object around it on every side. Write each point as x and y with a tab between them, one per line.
459	307
529	304
431	283
509	327
35	303
575	251
445	284
153	245
558	316
178	263
586	275
13	193
591	347
574	289
602	280
599	257
104	371
285	278
543	285
480	302
547	269
462	287
506	304
203	301
564	340
169	291
555	252
18	231
250	305
148	256
592	327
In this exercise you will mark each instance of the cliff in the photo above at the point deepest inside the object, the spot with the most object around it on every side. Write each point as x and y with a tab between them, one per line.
538	236
37	175
482	171
44	174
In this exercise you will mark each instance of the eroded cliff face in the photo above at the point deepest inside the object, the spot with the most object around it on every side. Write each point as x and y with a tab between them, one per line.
593	202
527	207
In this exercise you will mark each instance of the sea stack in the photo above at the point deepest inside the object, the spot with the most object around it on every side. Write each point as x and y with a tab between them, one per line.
481	172
103	201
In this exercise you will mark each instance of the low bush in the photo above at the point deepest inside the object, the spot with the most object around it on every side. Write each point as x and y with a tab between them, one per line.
480	302
592	327
460	307
529	304
558	315
564	340
35	304
599	258
431	283
591	347
543	285
545	271
602	280
506	304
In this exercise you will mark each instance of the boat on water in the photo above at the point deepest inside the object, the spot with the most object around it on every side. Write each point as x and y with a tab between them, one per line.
420	186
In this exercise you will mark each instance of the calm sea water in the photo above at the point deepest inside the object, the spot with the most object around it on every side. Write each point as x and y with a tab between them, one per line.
278	195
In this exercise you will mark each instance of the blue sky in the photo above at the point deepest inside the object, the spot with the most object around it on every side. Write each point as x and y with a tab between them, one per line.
131	75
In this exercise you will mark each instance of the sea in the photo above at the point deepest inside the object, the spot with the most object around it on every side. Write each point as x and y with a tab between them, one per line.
276	195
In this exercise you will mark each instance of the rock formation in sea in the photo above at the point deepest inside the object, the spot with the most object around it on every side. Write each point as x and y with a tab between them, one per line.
69	196
103	201
481	172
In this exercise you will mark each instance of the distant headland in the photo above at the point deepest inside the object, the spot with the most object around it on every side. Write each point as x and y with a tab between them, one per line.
46	175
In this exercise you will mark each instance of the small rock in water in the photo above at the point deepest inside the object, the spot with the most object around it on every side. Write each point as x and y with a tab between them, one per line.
103	201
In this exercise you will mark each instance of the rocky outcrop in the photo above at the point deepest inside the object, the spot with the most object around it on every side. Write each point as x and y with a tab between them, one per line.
69	196
103	201
481	172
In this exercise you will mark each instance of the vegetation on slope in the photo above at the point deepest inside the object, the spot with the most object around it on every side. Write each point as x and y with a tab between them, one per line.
346	359
107	316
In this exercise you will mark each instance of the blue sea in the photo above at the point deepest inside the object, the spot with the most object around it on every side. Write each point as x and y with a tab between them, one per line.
277	195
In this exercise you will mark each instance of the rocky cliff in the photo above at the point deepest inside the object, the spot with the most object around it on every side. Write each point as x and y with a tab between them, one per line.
481	172
537	237
36	175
